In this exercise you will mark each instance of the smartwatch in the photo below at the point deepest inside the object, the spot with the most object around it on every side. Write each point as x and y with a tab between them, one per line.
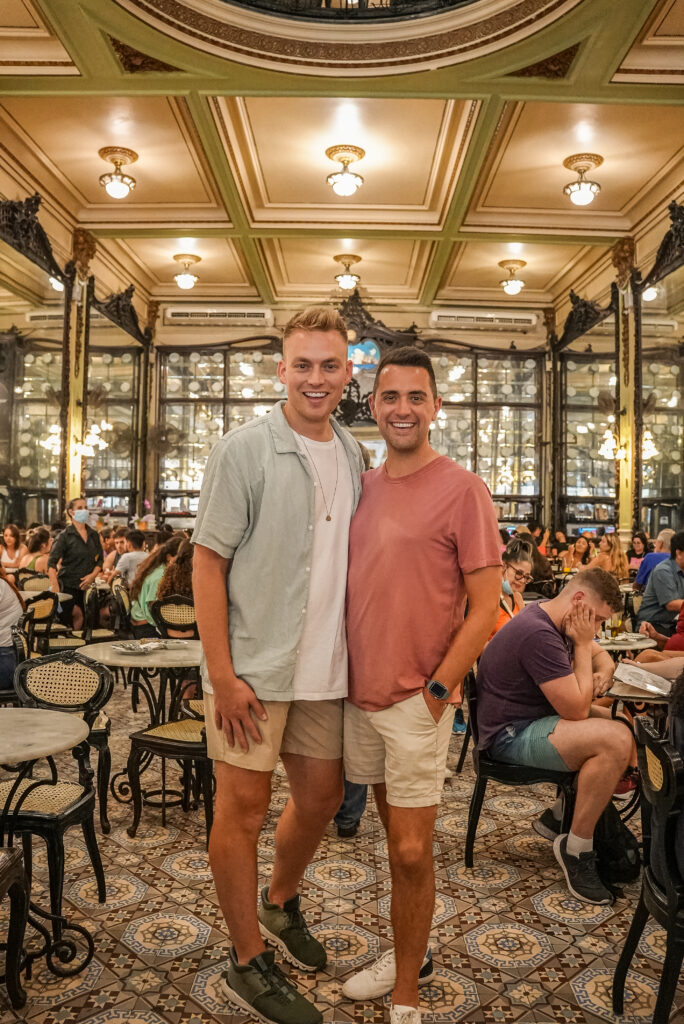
437	690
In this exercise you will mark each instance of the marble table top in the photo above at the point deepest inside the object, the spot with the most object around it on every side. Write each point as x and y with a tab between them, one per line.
28	733
28	594
643	644
187	656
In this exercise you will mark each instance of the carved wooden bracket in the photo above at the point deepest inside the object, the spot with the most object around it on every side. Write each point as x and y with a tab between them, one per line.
584	315
623	258
119	309
670	255
20	229
83	248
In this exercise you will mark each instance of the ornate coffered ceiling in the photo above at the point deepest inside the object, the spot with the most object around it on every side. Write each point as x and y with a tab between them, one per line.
463	164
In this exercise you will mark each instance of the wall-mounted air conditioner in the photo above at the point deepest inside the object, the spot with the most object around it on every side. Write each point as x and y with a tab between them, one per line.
218	316
483	320
55	318
652	326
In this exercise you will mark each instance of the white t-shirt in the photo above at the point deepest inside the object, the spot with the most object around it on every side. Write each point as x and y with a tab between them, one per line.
128	564
10	612
321	669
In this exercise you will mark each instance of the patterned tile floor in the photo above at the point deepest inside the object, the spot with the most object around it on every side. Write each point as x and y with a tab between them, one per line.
508	943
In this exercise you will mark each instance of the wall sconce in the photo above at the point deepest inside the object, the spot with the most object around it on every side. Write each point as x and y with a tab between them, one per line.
116	184
345	182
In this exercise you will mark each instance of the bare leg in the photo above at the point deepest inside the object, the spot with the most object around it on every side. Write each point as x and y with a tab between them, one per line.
600	750
242	799
316	790
413	894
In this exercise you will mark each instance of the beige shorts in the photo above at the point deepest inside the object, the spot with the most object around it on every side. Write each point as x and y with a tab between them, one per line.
401	746
312	728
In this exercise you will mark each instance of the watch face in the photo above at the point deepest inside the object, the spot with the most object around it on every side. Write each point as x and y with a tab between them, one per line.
438	689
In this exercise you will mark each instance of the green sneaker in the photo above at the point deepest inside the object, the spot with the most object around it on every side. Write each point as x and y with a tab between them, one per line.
261	988
286	928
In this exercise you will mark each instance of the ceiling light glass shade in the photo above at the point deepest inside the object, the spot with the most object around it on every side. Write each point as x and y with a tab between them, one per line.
582	192
347	280
186	280
56	284
117	185
649	294
512	285
345	182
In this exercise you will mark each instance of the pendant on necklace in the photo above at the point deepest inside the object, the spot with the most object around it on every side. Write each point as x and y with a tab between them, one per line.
328	518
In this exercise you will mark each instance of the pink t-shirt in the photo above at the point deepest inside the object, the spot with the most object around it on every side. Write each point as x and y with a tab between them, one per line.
411	540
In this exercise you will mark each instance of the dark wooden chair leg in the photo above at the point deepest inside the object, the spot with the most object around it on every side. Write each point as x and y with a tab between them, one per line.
204	771
631	942
133	768
464	749
88	828
474	817
674	954
27	852
104	767
19	903
54	842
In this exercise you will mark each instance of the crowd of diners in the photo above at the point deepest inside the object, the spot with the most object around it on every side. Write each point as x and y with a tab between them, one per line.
74	555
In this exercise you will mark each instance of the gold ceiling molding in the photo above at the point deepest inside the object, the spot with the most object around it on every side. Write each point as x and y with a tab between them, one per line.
556	66
134	62
263	40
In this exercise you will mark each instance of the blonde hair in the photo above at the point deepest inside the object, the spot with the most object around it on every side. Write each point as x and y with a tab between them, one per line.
316	318
616	556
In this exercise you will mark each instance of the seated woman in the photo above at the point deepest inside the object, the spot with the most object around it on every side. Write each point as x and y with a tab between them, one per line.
638	551
11	548
611	557
578	554
145	585
668	646
11	608
177	579
517	573
39	543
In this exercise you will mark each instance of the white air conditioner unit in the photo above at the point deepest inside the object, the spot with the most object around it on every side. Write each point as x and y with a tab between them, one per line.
652	326
483	320
55	318
218	316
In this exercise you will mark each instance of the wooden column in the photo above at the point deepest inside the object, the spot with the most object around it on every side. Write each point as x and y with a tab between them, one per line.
74	363
627	389
147	467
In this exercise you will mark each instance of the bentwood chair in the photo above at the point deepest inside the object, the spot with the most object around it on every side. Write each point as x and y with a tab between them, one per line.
13	883
29	579
71	683
487	768
43	625
175	616
662	884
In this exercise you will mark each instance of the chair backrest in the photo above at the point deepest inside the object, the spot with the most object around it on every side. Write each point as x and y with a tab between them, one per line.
662	784
636	602
470	693
35	582
91	607
20	642
44	606
174	615
64	682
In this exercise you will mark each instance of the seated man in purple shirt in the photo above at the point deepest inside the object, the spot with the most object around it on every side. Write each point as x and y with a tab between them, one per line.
536	682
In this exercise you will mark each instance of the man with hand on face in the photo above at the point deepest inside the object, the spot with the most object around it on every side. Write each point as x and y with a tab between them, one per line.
536	681
269	580
424	539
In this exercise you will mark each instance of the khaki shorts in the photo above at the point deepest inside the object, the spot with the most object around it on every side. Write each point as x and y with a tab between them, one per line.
401	746
312	728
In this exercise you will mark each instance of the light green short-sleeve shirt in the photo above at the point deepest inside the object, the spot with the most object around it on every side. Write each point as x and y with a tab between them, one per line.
256	508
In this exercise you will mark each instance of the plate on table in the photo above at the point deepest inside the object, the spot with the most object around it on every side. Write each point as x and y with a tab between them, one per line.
148	646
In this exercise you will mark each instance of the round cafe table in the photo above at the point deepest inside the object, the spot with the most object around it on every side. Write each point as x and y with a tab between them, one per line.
28	594
644	643
26	735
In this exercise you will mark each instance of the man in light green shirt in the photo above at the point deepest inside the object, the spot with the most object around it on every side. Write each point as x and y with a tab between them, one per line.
269	581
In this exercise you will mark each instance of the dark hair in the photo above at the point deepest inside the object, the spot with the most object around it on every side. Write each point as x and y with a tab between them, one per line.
177	578
36	539
677	543
504	534
518	551
72	501
677	696
157	558
106	532
121	531
643	538
601	583
137	539
14	530
407	355
587	551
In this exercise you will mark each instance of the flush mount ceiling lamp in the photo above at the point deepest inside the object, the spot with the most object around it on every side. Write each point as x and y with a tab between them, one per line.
649	294
345	182
582	192
184	279
512	285
117	184
346	279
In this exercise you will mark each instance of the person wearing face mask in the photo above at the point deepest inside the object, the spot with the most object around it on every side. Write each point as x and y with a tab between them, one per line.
75	559
517	573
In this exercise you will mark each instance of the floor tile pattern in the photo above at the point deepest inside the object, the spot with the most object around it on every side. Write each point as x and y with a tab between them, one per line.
509	943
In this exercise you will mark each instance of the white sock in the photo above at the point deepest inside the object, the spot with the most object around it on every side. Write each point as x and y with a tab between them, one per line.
557	809
576	845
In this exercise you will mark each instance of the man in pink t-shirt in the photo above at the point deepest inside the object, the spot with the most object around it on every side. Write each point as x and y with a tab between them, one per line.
423	541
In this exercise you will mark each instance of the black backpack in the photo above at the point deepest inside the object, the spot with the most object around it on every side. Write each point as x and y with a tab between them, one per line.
618	853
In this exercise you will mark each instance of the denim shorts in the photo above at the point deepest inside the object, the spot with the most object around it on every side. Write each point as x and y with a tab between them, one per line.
528	743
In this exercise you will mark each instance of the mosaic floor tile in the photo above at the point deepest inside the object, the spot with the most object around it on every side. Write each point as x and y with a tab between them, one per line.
593	991
508	945
166	934
340	875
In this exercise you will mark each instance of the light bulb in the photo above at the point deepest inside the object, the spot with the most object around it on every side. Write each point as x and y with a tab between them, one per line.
649	294
345	183
186	280
512	286
347	281
116	187
56	284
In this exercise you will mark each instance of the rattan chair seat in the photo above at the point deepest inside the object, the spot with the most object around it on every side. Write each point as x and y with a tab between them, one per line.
196	706
44	799
96	634
187	730
54	627
60	642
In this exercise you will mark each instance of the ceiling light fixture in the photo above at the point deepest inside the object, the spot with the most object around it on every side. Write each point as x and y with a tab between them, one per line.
346	279
648	448
184	279
512	285
649	294
345	182
116	184
56	284
582	192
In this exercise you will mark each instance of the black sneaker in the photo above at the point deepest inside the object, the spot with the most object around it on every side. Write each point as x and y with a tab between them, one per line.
581	874
261	988
348	831
546	825
286	928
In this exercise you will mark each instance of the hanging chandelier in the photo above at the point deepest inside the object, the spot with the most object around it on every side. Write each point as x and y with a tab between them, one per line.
345	182
582	192
346	279
116	184
512	285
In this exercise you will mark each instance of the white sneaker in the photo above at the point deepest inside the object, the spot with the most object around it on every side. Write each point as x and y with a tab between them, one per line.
378	979
404	1015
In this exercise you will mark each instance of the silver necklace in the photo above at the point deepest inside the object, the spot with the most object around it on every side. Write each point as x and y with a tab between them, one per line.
328	508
